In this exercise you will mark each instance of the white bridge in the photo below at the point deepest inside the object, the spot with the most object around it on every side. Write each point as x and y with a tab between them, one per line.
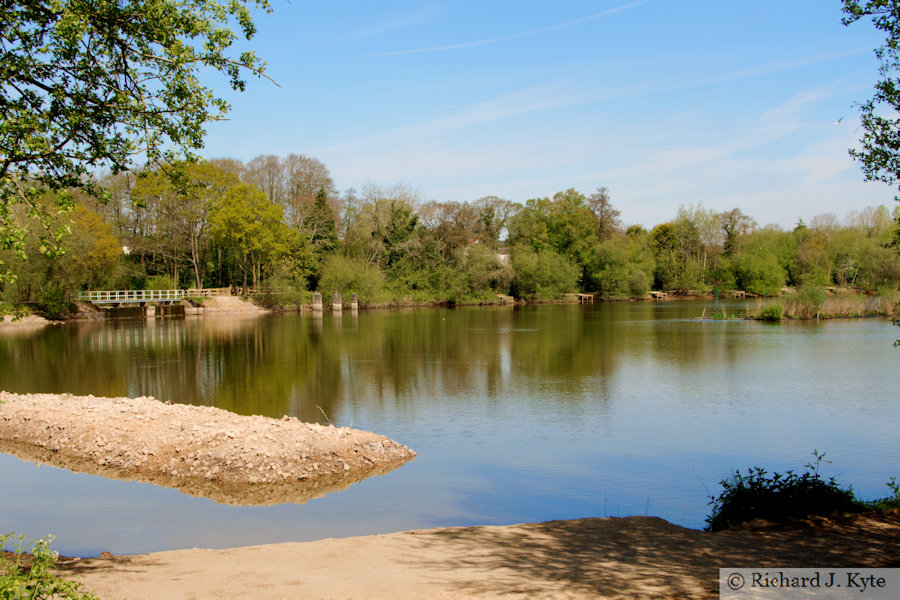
145	296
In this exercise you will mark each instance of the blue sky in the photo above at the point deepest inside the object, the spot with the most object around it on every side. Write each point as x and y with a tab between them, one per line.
728	104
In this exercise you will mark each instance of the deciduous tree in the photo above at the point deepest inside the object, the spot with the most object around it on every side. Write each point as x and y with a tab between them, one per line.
880	152
85	85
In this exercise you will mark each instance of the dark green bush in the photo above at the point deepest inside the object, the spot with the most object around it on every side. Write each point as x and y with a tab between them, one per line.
777	497
53	303
771	312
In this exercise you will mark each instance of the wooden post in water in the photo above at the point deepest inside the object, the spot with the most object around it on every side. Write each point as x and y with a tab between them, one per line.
317	302
336	302
354	301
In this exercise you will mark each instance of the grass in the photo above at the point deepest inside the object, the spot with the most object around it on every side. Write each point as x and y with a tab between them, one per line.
25	572
797	307
777	497
771	312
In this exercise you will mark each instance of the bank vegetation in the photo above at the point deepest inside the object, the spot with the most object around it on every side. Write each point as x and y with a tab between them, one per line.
277	227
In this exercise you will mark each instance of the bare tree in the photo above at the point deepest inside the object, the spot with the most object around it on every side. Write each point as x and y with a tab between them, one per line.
304	176
266	172
607	223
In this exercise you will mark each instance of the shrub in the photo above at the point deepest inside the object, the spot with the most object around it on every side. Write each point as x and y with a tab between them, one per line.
19	579
485	275
777	497
760	274
808	300
771	312
888	502
638	284
53	302
348	275
160	282
283	288
543	275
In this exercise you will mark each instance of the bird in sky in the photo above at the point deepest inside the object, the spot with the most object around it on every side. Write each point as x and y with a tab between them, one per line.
838	122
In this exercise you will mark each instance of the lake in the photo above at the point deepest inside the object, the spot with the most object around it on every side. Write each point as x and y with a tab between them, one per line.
517	414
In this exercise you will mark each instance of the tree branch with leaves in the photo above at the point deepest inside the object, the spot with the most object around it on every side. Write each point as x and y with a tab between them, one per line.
89	84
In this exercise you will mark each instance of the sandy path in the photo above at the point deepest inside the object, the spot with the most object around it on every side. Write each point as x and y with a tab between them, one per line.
634	557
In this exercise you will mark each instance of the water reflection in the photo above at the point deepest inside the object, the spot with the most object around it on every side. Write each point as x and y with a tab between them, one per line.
516	413
304	366
258	494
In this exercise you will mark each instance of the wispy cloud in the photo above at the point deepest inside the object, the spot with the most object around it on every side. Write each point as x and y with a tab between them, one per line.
568	92
513	36
425	14
777	67
529	99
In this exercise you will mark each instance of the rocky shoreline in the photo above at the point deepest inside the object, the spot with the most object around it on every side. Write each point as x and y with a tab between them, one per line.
200	450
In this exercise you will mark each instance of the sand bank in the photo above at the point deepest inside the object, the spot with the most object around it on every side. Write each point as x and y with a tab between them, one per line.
199	450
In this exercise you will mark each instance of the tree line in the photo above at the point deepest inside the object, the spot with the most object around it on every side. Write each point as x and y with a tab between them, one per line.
278	225
92	91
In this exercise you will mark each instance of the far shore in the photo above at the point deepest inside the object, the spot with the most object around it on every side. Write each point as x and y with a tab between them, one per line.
242	306
631	557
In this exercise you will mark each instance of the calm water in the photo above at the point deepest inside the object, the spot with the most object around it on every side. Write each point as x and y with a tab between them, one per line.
525	414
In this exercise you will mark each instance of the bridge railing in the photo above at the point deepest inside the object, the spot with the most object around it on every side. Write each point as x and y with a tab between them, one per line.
125	296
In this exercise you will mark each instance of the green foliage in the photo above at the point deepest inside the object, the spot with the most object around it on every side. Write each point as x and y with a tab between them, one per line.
93	257
759	273
321	226
31	578
15	312
53	302
349	275
879	156
160	282
810	297
889	296
891	502
542	275
879	267
174	202
477	276
778	497
285	287
638	284
564	225
84	85
771	312
662	241
619	268
383	227
252	229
